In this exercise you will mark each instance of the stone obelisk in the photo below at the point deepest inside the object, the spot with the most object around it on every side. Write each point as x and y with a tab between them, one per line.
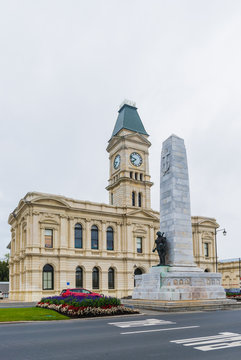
175	213
181	279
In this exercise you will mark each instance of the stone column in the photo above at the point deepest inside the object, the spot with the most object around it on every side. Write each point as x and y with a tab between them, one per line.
117	238
88	237
102	239
63	232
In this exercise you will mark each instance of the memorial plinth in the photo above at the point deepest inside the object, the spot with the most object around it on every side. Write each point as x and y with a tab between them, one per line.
181	279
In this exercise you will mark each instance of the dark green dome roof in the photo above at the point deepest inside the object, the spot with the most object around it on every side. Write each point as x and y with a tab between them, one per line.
129	119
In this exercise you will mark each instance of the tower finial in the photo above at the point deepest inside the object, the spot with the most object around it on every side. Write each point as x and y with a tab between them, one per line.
127	102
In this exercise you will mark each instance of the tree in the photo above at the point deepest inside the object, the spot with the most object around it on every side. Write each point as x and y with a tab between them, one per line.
4	269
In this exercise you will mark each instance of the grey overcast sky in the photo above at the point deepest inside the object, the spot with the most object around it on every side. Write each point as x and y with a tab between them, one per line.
65	66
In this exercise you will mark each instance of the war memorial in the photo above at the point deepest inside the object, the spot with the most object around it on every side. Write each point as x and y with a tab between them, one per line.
176	277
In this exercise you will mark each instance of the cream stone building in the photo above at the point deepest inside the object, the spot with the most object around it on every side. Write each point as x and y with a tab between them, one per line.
59	242
231	273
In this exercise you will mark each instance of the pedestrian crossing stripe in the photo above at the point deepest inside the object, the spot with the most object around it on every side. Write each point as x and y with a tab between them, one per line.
216	342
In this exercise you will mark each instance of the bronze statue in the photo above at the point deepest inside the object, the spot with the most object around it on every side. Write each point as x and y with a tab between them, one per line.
161	247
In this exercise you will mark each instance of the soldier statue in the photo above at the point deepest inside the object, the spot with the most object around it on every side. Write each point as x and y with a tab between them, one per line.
161	247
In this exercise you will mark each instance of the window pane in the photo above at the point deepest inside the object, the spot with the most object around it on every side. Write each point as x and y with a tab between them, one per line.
78	236
133	199
206	250
110	238
79	277
48	276
111	280
94	237
48	238
95	278
139	244
139	199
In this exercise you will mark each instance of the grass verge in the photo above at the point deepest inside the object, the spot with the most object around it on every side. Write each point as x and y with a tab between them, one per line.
30	314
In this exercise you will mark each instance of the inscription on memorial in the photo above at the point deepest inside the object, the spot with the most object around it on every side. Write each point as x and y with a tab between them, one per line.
165	161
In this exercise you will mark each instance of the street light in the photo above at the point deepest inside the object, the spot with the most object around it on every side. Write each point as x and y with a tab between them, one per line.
216	250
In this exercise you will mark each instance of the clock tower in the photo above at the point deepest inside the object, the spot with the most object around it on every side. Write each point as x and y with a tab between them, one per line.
129	181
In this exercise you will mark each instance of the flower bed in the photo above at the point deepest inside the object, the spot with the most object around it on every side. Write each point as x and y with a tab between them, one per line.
234	295
74	306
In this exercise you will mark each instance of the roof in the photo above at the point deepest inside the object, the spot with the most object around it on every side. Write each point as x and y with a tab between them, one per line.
129	119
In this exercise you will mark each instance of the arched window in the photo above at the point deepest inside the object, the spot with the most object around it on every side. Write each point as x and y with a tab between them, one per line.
136	176
79	277
206	270
110	238
94	237
138	271
141	177
95	278
78	236
131	174
133	198
48	277
111	278
139	199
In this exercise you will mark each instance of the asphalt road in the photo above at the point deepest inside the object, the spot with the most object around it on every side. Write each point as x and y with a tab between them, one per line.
197	335
18	304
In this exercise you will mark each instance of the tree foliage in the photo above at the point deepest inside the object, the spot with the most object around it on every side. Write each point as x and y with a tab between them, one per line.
4	269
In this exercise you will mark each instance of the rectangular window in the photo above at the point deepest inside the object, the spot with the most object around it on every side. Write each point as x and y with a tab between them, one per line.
206	250
139	244
48	238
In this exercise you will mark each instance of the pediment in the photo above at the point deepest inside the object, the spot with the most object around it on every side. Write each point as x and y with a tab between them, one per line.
135	137
209	223
140	229
49	221
207	234
50	201
144	214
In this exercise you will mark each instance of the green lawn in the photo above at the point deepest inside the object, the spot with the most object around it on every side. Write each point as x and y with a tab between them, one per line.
30	314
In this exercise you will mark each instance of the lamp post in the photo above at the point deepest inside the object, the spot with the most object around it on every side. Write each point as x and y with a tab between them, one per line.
216	250
239	271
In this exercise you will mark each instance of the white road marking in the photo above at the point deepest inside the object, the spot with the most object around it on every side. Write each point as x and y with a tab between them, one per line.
155	330
202	338
221	341
139	323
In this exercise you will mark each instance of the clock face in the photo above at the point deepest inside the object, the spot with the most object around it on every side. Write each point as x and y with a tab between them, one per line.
117	161
135	159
